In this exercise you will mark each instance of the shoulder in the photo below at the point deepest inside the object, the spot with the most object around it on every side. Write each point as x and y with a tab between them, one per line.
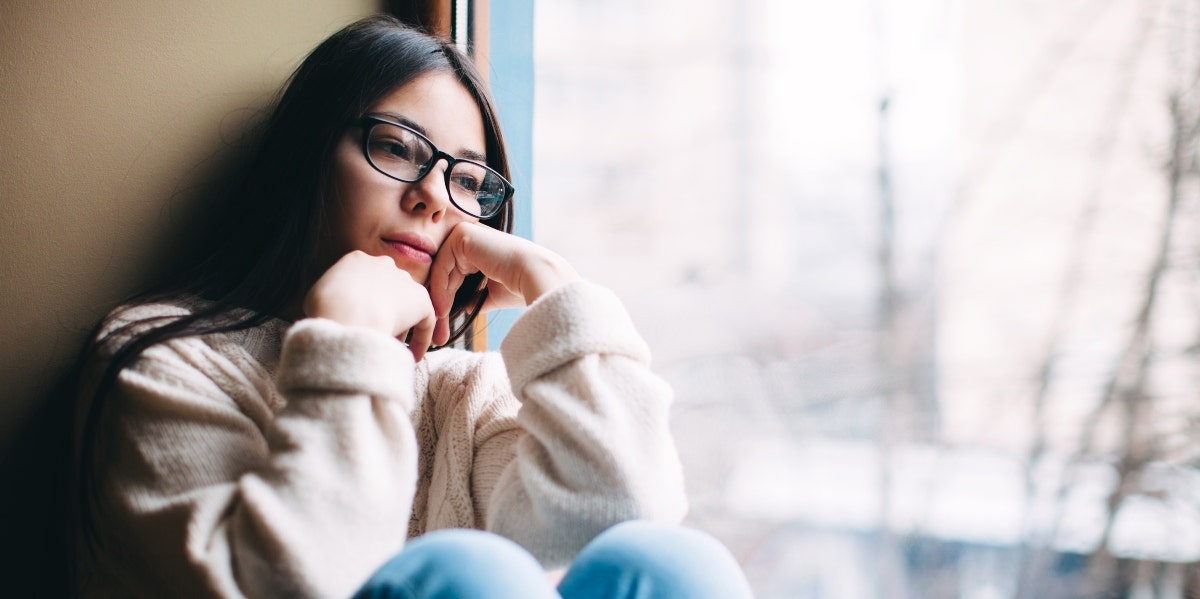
235	362
129	321
122	328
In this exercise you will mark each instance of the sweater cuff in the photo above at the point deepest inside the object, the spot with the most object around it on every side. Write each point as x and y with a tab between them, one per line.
325	356
572	321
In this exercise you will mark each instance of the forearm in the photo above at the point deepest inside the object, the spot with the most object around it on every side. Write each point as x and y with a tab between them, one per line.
333	502
209	501
597	448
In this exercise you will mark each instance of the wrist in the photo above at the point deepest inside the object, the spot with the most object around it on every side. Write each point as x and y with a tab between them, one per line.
547	274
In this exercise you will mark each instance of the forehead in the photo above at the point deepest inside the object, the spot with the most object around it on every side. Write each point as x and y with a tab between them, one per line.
442	107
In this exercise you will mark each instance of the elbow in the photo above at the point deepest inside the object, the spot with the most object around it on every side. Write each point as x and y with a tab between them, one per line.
663	500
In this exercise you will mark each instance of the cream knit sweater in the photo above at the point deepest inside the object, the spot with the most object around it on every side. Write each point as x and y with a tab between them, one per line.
293	460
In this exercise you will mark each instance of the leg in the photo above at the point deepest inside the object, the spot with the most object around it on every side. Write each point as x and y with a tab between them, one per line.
451	564
642	560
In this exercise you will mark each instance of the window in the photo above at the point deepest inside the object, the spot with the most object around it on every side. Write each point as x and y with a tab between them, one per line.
917	272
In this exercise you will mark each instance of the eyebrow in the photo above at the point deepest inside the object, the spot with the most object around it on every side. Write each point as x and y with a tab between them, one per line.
407	122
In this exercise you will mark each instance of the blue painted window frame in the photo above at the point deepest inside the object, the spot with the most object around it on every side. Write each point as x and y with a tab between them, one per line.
510	74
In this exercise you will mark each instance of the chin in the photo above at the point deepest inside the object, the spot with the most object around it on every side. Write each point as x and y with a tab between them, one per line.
420	275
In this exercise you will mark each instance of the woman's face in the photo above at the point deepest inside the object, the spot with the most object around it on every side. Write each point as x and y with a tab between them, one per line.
406	222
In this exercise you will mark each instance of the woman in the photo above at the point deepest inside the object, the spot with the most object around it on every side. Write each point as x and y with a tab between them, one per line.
258	427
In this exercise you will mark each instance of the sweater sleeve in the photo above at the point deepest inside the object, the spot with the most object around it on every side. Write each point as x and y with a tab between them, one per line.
597	449
210	496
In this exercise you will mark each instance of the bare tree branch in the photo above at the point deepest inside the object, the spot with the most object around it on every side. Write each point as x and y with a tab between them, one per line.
1034	559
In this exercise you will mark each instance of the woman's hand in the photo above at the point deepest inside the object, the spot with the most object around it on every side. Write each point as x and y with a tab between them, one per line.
518	271
370	291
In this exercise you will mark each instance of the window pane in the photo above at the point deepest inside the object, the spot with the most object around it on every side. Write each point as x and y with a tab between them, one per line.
921	272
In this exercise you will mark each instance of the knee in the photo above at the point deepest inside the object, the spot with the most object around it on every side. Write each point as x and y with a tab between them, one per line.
466	549
644	532
642	543
675	560
454	563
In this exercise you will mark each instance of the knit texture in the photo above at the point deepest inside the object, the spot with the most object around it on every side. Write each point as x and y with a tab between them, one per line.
295	460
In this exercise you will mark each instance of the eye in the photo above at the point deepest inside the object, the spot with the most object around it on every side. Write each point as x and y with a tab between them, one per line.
398	150
393	149
466	181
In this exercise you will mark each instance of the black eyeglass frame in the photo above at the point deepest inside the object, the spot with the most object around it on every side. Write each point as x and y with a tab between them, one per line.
370	121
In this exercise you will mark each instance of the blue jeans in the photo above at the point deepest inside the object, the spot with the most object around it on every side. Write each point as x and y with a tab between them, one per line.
632	560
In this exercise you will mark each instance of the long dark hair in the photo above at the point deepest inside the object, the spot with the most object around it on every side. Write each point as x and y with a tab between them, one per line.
274	218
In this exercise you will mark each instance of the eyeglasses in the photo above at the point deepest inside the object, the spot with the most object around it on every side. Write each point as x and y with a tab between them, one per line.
405	155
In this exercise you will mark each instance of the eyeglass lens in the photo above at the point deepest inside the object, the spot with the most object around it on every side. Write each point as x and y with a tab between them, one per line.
475	189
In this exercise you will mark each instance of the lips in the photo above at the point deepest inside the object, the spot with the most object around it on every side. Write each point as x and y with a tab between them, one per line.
413	246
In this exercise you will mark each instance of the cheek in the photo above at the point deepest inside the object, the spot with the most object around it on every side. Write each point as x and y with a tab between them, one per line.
350	179
456	216
357	198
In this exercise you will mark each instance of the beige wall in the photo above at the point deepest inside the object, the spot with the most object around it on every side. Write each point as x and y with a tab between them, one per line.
112	116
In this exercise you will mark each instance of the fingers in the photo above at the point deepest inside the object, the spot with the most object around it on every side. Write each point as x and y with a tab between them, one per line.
441	331
474	248
448	272
371	292
420	337
518	270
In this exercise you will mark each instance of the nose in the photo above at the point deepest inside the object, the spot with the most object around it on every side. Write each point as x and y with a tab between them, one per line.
428	195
